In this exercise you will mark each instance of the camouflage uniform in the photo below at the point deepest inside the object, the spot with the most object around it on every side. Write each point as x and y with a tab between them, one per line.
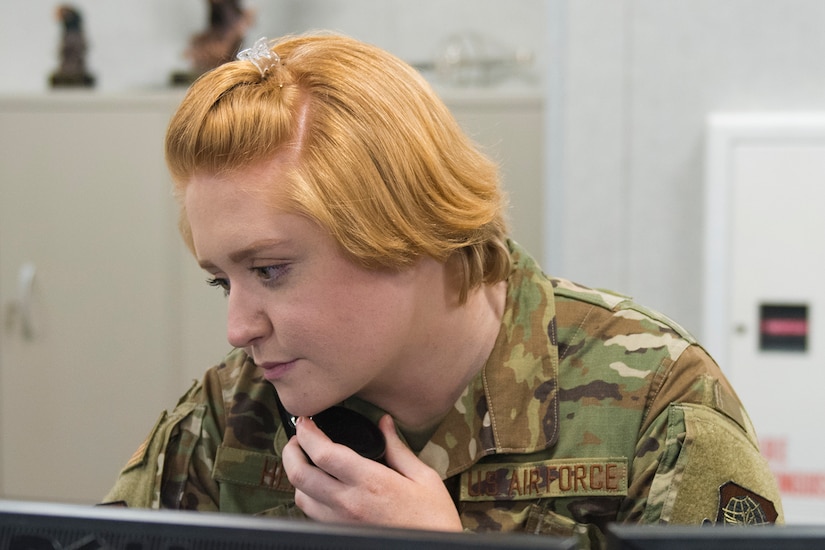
591	409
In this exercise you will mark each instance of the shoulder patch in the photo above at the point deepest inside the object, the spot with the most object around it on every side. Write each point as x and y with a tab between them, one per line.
741	506
140	455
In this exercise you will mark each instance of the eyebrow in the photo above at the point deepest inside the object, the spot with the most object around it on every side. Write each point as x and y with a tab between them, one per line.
240	255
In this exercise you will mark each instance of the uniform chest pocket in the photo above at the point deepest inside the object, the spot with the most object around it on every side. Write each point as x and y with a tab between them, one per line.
253	483
250	468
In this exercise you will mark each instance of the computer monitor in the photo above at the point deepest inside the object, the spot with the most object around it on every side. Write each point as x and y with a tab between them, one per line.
715	537
28	525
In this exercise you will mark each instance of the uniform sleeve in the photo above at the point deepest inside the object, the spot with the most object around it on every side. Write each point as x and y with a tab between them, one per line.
697	460
173	467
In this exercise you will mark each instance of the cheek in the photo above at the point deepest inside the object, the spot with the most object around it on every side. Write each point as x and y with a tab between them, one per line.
366	300
334	306
345	318
350	293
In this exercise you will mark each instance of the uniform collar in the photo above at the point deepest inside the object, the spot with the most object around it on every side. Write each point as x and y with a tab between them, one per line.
511	406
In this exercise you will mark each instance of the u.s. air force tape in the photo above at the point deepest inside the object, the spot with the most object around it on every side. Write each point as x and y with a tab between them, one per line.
572	477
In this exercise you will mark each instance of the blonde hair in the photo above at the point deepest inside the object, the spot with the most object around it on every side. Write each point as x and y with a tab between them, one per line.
382	164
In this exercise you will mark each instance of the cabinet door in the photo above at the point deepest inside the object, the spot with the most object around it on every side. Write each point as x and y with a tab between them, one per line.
88	351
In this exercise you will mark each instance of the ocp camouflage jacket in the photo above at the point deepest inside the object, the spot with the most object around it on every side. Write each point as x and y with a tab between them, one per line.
591	409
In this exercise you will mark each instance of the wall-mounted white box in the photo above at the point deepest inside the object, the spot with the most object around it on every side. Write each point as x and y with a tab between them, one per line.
765	287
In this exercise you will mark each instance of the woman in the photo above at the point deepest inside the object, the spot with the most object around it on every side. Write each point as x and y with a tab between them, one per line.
359	238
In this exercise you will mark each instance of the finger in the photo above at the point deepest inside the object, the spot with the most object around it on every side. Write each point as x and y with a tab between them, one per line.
312	440
333	484
305	459
313	486
299	470
399	457
339	461
293	456
313	508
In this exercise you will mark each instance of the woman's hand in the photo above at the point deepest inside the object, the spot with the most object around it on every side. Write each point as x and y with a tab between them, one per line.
340	486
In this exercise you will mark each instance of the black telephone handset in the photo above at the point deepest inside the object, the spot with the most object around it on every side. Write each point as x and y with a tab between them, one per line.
343	426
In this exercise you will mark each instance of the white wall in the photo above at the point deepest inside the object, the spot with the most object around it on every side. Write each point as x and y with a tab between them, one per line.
639	79
136	44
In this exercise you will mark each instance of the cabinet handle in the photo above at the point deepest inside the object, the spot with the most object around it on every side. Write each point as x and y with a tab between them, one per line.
25	288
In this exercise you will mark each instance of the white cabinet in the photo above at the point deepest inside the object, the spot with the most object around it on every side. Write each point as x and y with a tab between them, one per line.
117	320
90	347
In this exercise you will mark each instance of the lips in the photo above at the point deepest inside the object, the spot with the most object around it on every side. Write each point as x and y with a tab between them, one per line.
276	370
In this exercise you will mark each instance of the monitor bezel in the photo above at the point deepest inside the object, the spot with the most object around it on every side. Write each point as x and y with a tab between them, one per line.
714	537
49	518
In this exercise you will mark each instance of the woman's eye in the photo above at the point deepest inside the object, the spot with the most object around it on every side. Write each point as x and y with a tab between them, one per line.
219	282
270	274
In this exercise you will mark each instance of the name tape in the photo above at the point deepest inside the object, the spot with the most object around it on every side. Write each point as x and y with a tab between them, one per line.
549	478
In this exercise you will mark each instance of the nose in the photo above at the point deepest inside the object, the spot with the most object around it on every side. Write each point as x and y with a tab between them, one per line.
247	321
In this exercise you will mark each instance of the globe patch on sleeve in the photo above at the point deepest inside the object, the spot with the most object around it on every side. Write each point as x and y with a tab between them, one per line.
741	506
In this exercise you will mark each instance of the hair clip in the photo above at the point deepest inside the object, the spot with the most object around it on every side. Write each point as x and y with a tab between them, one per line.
261	55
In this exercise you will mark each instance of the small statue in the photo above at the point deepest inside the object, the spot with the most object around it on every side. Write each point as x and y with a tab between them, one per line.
72	70
220	42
